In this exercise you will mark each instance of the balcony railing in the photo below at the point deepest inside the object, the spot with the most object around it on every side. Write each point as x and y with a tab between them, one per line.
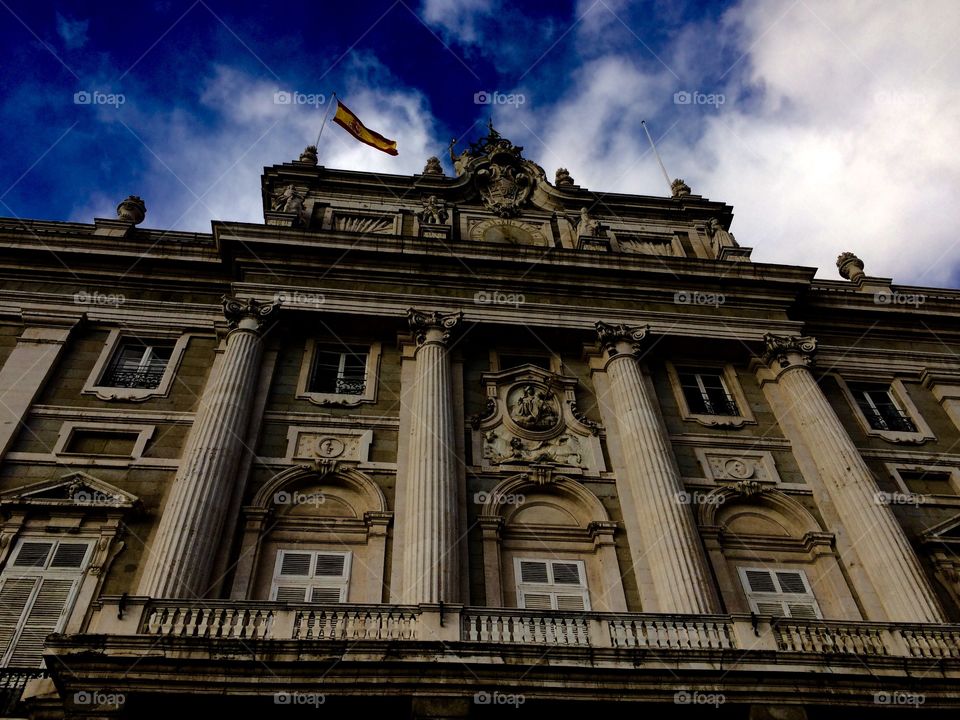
255	621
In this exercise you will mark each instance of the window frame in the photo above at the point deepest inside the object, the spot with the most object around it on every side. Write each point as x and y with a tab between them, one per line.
68	428
551	588
898	393
371	374
927	498
94	384
74	574
311	581
731	383
755	597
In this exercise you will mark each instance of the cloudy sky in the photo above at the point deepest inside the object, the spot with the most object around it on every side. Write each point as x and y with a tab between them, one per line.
829	125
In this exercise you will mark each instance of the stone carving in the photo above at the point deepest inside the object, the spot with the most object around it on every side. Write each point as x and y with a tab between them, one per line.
489	410
720	238
781	347
500	447
749	488
326	449
236	310
309	155
582	418
503	178
533	408
290	200
646	244
433	166
434	210
421	323
611	336
587	225
678	188
562	178
367	224
850	266
132	210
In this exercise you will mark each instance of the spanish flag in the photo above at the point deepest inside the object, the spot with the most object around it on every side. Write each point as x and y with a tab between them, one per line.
351	123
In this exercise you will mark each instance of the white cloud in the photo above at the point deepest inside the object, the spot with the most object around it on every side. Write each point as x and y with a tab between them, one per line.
458	19
197	172
838	136
72	32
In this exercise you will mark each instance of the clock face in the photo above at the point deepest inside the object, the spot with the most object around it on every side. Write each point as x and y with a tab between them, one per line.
511	232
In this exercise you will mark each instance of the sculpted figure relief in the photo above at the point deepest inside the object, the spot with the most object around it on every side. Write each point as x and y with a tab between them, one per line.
534	409
587	226
499	448
434	210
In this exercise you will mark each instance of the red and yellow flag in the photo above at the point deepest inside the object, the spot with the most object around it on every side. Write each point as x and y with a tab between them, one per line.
351	123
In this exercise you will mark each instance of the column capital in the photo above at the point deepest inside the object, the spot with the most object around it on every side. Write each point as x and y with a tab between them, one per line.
621	339
789	350
435	327
247	314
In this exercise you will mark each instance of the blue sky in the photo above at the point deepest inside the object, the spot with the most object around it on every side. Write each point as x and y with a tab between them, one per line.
829	126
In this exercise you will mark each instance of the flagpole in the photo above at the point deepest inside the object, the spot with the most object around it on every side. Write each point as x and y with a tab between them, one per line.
333	96
665	175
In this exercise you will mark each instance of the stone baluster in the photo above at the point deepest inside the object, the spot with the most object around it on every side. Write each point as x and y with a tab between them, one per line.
431	528
180	557
809	421
671	544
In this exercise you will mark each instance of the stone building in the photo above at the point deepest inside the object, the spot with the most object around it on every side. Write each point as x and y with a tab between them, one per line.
451	446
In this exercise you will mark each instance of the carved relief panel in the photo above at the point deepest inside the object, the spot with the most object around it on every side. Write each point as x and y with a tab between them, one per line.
531	418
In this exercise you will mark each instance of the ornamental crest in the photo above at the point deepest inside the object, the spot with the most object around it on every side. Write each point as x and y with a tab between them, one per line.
504	179
531	418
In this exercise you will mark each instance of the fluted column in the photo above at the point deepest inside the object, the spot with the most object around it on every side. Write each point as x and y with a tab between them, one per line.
879	540
180	557
671	544
430	565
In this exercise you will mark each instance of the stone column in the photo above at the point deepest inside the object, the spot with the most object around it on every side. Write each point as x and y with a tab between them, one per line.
431	527
180	557
27	368
881	544
945	386
671	544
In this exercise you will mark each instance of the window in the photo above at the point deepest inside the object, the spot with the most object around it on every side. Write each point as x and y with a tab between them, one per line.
928	482
102	442
339	370
137	364
512	360
881	409
37	590
311	576
781	593
552	585
706	392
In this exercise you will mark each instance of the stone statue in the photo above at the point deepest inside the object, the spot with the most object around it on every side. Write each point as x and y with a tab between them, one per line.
132	210
309	155
719	237
289	201
434	210
562	178
678	188
587	226
433	166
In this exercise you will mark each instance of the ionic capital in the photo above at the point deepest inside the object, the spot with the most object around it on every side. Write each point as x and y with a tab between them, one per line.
247	314
789	350
433	327
622	339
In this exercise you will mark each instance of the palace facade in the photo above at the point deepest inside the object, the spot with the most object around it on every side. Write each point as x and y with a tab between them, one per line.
451	446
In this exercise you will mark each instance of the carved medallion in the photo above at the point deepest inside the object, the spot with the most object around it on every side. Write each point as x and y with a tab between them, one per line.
533	408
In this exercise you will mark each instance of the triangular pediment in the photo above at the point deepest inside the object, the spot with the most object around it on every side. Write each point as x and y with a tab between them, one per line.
947	532
75	490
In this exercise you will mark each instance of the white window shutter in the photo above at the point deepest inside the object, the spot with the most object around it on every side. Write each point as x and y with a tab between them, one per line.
325	594
290	594
295	564
533	572
32	554
69	555
329	565
44	617
781	593
15	594
551	585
